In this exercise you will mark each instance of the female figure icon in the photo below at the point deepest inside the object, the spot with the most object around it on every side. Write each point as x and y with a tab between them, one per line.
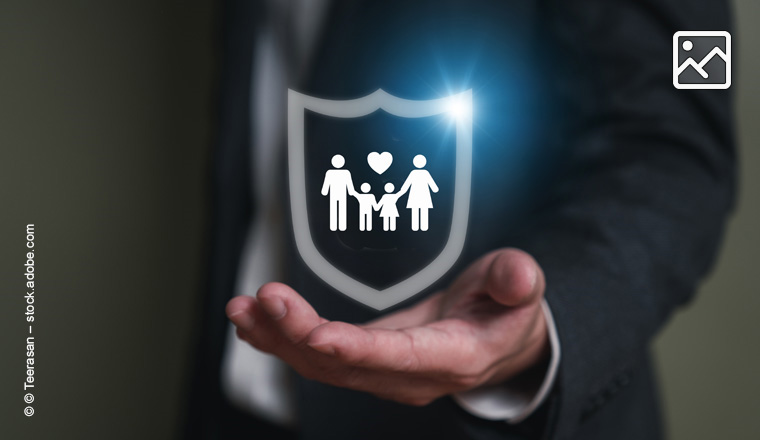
419	184
388	210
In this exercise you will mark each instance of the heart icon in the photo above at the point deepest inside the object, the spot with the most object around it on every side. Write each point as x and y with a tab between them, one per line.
380	162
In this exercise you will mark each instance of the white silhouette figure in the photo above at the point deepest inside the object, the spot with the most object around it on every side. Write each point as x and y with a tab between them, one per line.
419	183
337	184
367	205
387	206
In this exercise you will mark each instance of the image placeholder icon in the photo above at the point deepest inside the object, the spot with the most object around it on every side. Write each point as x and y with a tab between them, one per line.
702	60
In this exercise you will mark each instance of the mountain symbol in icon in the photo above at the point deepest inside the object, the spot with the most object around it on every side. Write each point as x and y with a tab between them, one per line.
699	67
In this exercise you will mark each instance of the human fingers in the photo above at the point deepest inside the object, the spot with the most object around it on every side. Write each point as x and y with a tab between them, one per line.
514	278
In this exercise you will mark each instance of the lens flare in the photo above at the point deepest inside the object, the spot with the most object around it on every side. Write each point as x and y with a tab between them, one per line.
459	109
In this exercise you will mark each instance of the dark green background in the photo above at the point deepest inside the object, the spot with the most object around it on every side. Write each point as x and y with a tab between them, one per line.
105	127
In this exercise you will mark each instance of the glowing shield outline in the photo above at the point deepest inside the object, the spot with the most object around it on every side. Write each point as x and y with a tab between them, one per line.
378	299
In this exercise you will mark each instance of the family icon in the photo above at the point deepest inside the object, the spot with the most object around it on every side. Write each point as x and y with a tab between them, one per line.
338	185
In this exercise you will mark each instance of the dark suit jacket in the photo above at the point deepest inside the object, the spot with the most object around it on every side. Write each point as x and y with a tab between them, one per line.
622	184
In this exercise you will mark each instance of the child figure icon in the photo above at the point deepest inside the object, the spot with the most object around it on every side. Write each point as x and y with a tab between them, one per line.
388	209
367	205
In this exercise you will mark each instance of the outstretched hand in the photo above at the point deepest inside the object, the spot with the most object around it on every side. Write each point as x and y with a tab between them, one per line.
487	327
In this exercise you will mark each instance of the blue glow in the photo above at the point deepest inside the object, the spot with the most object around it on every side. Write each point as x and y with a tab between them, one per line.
459	109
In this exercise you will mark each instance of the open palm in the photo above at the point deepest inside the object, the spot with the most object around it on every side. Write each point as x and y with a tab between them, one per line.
486	327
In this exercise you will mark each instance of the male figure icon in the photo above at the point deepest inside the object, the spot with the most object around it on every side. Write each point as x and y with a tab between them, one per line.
337	184
367	204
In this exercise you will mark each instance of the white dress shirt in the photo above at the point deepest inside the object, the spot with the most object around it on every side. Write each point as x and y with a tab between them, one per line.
256	381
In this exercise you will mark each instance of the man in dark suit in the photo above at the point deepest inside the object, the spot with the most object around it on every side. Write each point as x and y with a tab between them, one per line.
613	185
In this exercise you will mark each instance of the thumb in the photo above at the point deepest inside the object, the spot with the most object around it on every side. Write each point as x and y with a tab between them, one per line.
514	278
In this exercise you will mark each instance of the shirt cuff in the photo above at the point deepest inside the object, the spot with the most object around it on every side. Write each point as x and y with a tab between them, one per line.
513	402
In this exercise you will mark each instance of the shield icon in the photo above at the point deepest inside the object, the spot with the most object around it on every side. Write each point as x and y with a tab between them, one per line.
380	296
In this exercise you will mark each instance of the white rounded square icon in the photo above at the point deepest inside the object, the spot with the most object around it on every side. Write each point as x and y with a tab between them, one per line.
702	60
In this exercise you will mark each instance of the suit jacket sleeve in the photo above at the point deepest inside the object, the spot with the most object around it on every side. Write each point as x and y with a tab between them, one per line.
637	214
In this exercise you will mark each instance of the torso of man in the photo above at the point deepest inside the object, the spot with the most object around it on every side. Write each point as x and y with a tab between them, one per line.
338	183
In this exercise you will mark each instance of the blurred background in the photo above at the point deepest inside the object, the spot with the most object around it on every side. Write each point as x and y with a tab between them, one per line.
106	113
